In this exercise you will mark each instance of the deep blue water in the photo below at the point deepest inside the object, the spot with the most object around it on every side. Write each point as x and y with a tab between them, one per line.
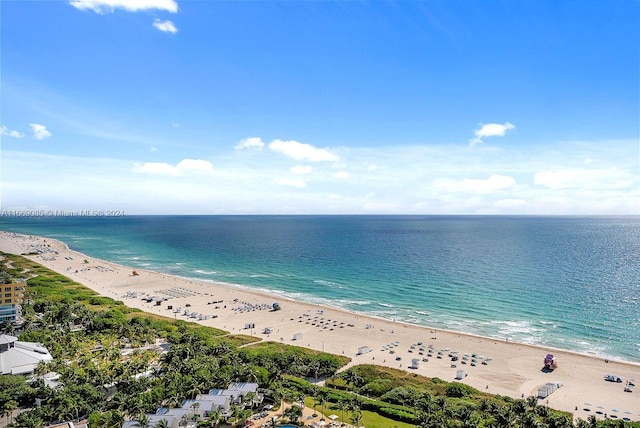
567	282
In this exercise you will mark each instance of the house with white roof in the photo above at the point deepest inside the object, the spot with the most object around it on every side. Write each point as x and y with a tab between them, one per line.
172	421
20	358
215	400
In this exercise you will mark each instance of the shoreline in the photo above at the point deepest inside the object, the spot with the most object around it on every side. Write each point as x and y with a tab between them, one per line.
514	369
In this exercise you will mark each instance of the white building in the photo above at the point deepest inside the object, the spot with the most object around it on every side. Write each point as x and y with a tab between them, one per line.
20	358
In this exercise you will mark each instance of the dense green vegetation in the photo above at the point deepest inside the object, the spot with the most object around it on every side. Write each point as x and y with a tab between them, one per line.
98	342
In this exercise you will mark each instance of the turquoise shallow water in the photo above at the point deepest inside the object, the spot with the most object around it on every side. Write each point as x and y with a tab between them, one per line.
566	282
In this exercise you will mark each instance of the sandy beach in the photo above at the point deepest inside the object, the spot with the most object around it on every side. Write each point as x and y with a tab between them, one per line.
501	367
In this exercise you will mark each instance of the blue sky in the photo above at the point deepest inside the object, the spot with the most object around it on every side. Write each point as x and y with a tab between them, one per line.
328	107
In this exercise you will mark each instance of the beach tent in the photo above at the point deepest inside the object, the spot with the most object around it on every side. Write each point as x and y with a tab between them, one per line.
297	336
461	374
414	363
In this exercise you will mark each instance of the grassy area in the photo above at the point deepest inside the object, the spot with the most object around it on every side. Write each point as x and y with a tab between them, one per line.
275	348
369	419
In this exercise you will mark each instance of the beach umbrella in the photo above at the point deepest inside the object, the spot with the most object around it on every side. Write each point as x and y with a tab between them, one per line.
615	410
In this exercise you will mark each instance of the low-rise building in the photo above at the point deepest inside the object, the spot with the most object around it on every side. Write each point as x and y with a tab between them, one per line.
11	296
21	358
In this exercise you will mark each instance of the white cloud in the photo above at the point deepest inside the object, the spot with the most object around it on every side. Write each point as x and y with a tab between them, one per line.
195	165
165	26
556	179
491	184
185	166
251	143
475	185
490	130
104	6
292	182
10	133
40	132
511	203
341	175
543	179
302	151
155	168
611	178
301	169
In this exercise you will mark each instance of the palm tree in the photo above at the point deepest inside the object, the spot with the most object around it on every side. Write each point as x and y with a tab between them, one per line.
142	421
356	417
342	405
112	419
322	397
29	420
196	406
8	408
162	423
215	417
293	413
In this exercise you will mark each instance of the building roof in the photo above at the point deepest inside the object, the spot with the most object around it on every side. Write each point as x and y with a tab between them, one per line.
243	387
6	339
219	400
153	421
21	357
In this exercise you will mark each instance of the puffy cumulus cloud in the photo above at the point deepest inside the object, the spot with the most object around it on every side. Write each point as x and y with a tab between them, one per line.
490	130
40	132
195	165
10	132
155	168
184	167
343	175
292	182
301	169
165	26
302	151
251	143
104	6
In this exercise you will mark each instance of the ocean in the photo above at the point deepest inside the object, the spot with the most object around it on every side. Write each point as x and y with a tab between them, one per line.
565	282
